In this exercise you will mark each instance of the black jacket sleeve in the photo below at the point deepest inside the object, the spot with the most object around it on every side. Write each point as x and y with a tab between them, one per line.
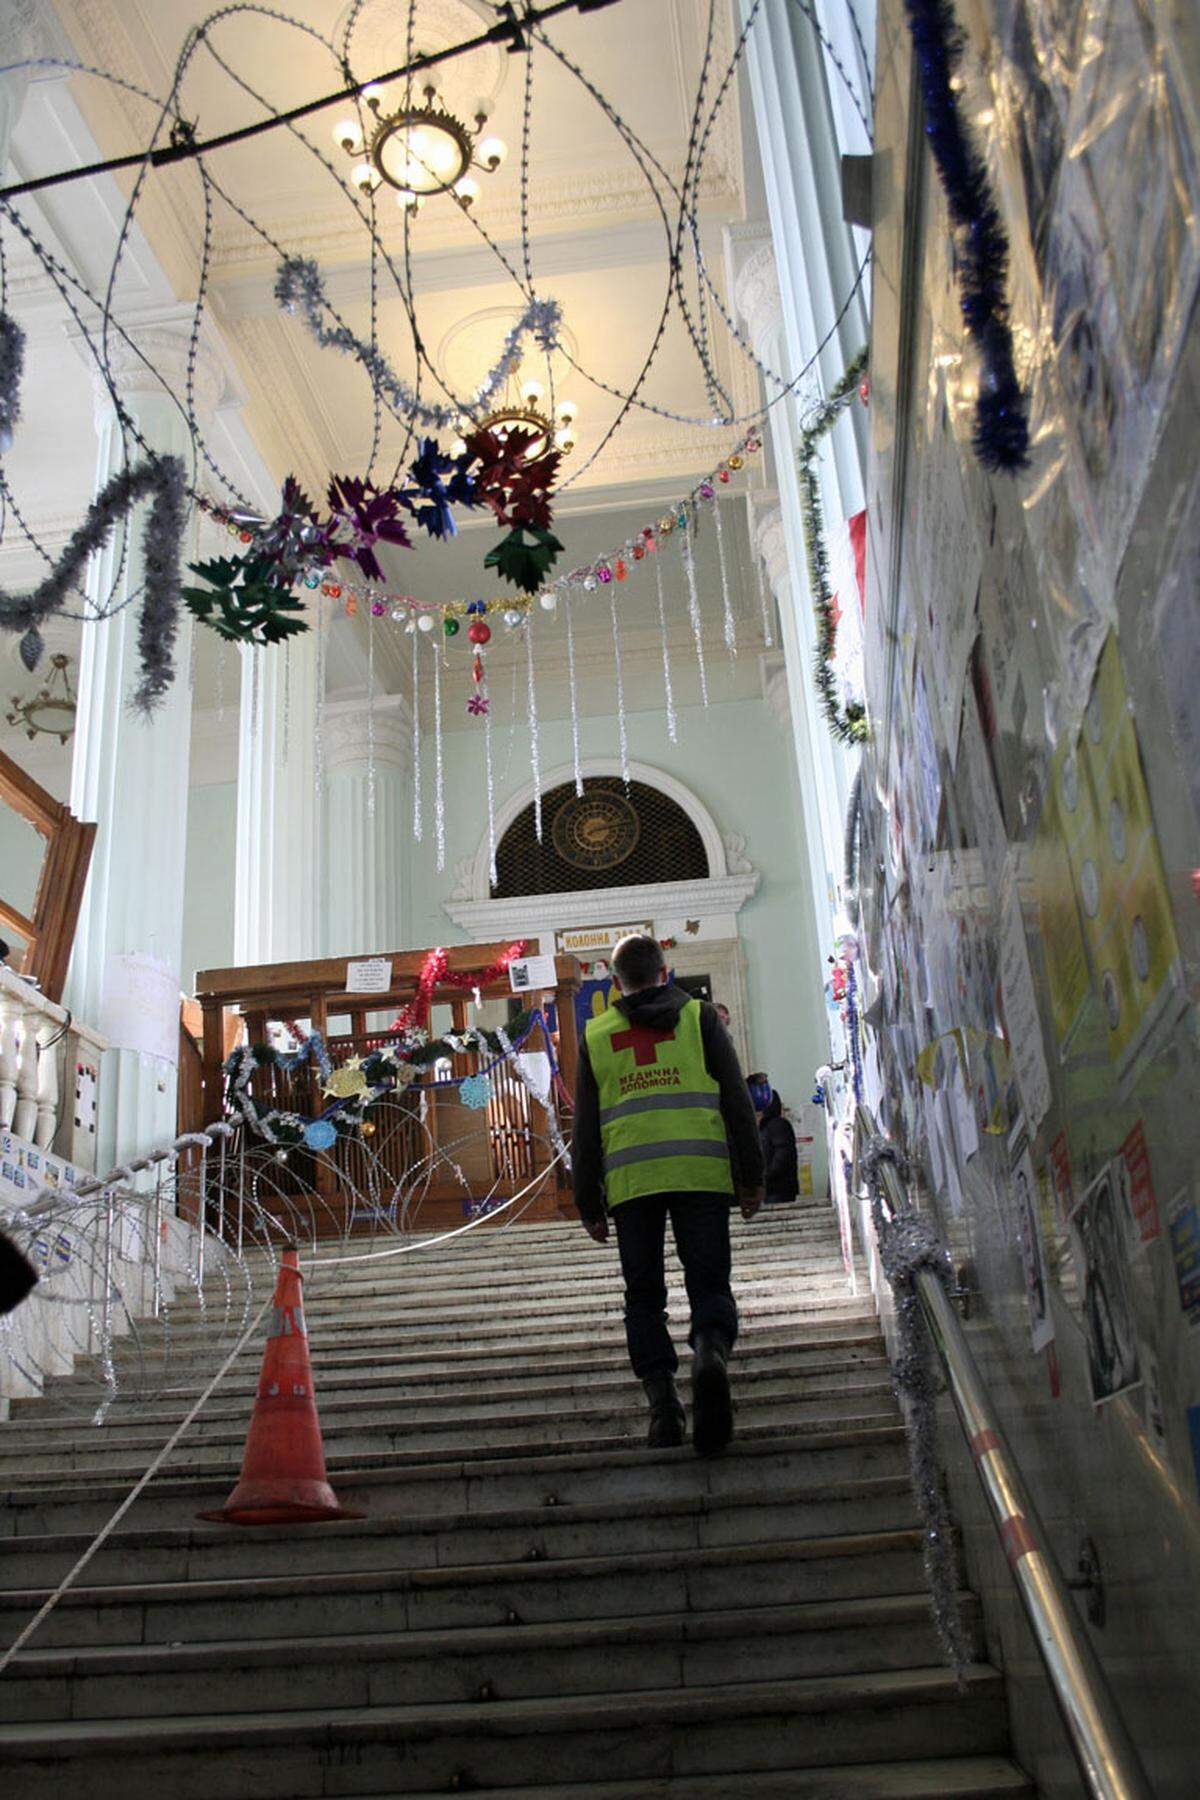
741	1126
587	1158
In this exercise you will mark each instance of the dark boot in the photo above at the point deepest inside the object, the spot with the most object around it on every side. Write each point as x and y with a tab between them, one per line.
668	1421
712	1421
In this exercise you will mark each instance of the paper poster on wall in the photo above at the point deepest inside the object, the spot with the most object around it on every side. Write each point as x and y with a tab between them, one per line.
1024	1025
1183	1224
1137	1186
1067	975
1177	634
1098	1239
1029	1238
139	1007
949	558
1118	872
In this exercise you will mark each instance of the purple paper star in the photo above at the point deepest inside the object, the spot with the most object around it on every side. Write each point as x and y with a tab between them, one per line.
477	706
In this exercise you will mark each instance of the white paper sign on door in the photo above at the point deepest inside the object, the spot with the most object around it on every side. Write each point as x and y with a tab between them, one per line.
371	976
139	1006
532	973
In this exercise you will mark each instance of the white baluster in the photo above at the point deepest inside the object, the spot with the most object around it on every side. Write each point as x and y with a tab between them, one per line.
9	1060
47	1086
25	1115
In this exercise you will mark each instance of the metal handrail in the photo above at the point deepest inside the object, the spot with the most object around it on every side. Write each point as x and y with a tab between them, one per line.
1107	1758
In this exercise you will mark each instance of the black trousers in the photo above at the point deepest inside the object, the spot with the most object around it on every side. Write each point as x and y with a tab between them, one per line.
700	1223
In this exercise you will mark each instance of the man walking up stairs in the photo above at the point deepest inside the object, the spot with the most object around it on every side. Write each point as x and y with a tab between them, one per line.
537	1604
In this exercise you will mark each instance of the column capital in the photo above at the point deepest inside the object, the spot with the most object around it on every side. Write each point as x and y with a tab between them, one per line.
152	362
757	296
769	538
348	730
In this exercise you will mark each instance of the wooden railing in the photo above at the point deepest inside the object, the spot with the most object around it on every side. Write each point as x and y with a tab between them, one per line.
49	933
498	1150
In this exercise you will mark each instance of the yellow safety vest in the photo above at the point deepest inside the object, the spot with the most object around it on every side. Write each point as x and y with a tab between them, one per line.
661	1126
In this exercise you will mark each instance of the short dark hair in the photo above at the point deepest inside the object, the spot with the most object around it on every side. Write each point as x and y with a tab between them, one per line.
637	963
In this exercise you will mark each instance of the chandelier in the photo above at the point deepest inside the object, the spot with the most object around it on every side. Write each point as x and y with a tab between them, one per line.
521	409
52	709
419	150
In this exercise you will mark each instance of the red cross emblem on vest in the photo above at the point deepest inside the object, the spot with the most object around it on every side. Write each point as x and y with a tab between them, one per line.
643	1040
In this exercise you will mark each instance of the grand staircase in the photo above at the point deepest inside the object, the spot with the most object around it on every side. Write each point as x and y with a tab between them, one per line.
535	1604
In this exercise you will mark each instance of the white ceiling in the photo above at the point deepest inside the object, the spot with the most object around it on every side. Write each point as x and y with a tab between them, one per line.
597	245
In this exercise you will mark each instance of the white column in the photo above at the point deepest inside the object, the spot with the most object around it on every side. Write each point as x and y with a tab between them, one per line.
367	851
278	881
129	773
825	767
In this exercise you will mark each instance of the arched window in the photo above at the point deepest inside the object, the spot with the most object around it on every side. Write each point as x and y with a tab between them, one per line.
610	836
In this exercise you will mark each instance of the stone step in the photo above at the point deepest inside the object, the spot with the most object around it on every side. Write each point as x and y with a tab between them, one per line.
938	1778
614	1586
680	1650
531	1323
448	1362
515	1534
542	1475
434	1427
827	1374
731	1729
538	1435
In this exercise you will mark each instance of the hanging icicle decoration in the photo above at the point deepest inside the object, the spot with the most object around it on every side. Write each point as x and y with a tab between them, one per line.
255	660
728	620
418	820
574	703
319	715
439	789
285	750
764	603
687	551
491	779
371	713
622	732
535	760
668	687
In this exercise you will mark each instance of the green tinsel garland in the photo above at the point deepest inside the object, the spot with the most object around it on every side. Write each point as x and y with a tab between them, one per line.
851	725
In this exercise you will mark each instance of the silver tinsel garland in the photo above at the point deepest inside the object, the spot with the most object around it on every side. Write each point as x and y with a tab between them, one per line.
418	821
574	705
163	479
622	730
12	363
764	603
668	690
298	288
729	623
908	1244
688	553
439	773
535	759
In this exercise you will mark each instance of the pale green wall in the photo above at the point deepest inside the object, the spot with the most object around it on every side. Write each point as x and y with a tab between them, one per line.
209	880
735	759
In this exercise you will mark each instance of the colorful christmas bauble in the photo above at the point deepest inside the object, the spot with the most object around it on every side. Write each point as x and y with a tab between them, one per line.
450	627
479	632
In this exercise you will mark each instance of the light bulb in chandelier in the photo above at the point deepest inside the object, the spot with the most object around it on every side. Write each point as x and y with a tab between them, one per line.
491	153
347	134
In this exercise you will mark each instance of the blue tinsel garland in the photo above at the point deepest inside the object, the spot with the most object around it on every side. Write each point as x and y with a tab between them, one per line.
1001	436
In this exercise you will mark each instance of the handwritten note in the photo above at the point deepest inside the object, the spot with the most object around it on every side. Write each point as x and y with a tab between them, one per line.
1025	1043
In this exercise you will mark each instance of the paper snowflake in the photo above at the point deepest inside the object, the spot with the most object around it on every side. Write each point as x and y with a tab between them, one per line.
475	1091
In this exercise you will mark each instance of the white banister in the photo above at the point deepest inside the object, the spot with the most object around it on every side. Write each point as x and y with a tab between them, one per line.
36	1037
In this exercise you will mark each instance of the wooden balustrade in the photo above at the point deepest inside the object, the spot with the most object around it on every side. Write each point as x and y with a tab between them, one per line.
499	1149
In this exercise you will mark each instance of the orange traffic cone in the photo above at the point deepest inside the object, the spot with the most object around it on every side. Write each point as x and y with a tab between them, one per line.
283	1471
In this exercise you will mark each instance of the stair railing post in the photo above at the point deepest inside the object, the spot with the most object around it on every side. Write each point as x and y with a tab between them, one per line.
158	1233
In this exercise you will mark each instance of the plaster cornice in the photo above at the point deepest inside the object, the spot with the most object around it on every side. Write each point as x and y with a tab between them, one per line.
532	915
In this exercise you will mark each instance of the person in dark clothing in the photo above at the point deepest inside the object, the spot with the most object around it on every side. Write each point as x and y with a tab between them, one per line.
778	1143
664	1128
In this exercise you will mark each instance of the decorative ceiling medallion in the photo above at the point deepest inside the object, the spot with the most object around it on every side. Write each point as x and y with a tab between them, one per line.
596	831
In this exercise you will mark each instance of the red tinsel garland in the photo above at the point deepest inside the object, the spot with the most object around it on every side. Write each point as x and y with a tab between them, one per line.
436	972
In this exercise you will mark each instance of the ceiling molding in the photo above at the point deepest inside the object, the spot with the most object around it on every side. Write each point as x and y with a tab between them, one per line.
534	915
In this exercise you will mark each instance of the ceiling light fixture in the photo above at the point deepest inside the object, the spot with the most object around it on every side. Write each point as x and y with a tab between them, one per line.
419	150
52	709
